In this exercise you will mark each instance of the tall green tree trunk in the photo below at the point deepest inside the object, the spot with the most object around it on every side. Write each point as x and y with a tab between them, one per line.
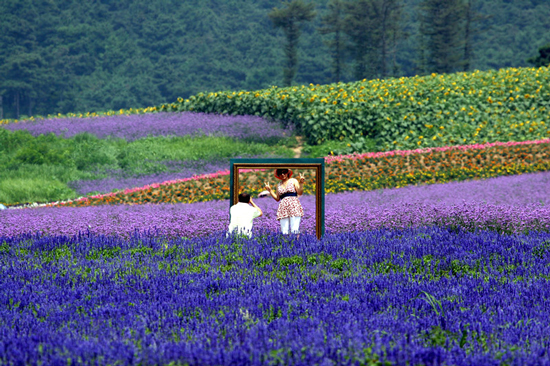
471	28
291	53
442	25
291	19
362	25
392	34
385	12
16	102
333	24
467	35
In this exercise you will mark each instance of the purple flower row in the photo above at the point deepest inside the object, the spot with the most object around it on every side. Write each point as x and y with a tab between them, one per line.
207	218
414	296
136	126
508	204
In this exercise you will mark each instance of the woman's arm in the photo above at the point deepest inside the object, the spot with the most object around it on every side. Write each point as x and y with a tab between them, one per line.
275	195
299	184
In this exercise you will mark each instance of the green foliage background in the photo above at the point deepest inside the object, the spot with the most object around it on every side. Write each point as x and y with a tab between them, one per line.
71	56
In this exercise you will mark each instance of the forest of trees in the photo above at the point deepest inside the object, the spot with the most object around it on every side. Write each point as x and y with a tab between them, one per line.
59	56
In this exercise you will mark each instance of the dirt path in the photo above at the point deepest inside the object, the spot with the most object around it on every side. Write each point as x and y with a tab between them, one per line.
298	149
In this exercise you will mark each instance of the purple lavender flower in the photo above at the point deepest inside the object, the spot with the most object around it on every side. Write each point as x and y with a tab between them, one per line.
508	204
419	296
136	126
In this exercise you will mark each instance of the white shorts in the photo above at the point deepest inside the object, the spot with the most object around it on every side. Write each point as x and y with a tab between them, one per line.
290	222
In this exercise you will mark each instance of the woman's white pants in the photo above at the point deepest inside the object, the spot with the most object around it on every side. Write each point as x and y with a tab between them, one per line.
292	223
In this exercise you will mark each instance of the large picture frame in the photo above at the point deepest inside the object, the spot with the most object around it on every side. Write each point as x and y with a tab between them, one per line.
299	163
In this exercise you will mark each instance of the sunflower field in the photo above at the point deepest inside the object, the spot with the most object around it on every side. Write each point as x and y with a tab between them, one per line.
510	104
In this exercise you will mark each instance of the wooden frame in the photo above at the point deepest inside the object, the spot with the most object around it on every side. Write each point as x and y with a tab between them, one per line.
317	164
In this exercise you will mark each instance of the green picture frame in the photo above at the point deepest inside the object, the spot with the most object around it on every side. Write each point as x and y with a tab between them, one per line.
300	163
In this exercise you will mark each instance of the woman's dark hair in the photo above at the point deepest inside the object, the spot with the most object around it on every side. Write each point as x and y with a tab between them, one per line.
244	197
282	171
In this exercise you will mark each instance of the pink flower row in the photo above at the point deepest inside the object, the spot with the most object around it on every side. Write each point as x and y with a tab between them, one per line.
356	156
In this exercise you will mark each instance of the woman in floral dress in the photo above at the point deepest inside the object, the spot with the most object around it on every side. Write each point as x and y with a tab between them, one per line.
290	211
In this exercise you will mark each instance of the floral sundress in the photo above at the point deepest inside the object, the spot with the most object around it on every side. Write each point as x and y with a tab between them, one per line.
288	206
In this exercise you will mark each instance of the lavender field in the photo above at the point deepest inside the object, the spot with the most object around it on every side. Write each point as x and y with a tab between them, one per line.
448	274
426	296
442	274
135	126
173	170
505	204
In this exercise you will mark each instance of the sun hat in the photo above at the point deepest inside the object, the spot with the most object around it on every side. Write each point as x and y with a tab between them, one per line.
289	174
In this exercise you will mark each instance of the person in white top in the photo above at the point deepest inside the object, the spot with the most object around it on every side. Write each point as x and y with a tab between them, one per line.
242	215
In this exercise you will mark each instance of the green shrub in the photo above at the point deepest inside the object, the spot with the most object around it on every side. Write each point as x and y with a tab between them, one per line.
336	147
21	190
90	153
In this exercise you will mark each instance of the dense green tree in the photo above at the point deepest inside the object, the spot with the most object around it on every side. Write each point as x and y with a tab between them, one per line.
374	28
390	32
543	59
363	27
20	58
472	28
468	49
442	27
333	24
59	56
291	18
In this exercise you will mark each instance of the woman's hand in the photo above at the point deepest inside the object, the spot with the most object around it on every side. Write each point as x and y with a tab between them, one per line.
300	184
273	194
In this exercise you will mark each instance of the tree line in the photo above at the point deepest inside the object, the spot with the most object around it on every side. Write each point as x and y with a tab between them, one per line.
60	56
